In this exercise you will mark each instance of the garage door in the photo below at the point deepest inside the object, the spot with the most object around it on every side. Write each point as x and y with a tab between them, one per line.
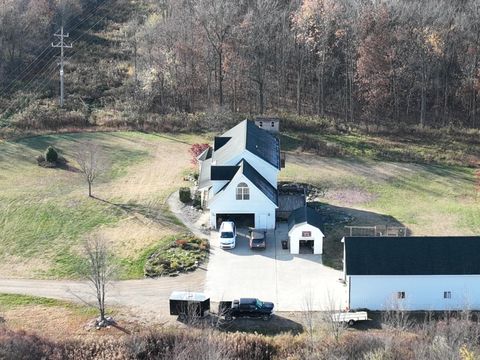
242	220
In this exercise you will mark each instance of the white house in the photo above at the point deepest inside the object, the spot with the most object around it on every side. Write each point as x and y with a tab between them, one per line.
412	273
304	229
238	176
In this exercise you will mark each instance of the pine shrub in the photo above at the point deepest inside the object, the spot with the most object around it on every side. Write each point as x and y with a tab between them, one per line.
51	155
185	195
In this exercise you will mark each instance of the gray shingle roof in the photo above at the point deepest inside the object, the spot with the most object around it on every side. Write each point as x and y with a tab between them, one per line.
246	135
206	154
204	176
223	172
305	215
414	255
259	181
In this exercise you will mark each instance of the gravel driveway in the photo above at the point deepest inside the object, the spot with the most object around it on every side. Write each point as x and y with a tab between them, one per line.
292	282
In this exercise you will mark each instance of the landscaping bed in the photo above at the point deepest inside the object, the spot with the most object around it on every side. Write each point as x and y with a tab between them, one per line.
179	254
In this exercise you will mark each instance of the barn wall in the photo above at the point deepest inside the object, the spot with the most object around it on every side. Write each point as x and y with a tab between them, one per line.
421	292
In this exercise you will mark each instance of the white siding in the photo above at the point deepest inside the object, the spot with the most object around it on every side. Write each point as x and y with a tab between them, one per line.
295	235
422	292
225	202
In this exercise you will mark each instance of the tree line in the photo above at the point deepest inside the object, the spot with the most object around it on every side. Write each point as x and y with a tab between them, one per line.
375	62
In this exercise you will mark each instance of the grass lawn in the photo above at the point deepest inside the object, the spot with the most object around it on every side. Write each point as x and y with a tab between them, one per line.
427	199
45	213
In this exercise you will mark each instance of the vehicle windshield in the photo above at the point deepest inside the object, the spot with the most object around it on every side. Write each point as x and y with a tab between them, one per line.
226	235
259	304
257	241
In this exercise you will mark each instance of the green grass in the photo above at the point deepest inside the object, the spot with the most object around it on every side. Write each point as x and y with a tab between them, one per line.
12	301
45	213
427	199
442	150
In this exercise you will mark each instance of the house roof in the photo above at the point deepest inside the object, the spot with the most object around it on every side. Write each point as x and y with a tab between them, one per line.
305	215
415	255
204	176
206	154
246	135
259	181
223	172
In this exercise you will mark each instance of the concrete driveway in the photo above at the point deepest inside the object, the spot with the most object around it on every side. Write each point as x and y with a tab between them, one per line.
292	282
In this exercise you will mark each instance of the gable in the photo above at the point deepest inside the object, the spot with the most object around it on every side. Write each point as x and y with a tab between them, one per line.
247	136
226	196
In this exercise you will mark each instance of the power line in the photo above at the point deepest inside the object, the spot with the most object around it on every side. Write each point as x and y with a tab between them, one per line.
22	75
62	47
49	73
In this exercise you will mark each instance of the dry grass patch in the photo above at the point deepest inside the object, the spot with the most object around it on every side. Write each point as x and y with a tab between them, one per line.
18	267
129	237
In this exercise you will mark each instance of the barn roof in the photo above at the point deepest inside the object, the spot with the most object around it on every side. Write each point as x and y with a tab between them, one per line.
414	255
305	215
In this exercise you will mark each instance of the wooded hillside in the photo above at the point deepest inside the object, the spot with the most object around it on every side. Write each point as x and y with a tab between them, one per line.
375	62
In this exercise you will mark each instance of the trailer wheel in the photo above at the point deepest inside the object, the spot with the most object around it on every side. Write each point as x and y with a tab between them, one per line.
265	317
228	317
351	322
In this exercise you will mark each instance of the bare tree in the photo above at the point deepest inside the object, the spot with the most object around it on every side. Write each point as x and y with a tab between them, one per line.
100	271
91	161
335	327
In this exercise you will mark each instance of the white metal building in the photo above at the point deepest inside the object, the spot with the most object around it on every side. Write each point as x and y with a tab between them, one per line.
304	230
413	273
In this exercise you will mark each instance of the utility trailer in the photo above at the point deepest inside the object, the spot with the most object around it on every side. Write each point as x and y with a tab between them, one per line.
186	304
350	318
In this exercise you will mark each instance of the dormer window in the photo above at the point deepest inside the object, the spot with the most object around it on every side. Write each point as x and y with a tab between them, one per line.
243	192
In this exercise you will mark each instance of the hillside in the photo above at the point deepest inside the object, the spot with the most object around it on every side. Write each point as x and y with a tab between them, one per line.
146	65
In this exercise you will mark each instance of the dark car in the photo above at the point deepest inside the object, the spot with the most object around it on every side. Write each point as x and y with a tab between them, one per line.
246	307
258	239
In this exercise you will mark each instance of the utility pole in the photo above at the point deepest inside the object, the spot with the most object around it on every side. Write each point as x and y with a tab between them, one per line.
61	44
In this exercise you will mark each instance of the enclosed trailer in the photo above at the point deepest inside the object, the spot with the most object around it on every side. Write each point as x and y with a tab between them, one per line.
189	304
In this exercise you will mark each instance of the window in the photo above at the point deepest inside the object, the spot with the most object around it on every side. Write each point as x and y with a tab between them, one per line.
447	294
243	192
306	234
401	295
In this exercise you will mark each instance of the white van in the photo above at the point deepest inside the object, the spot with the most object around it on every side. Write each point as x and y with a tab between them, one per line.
228	235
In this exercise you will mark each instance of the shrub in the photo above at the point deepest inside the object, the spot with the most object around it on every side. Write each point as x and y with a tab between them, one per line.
185	195
196	150
51	155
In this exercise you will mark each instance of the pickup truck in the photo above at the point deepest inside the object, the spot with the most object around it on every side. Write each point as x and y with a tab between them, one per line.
350	317
246	307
